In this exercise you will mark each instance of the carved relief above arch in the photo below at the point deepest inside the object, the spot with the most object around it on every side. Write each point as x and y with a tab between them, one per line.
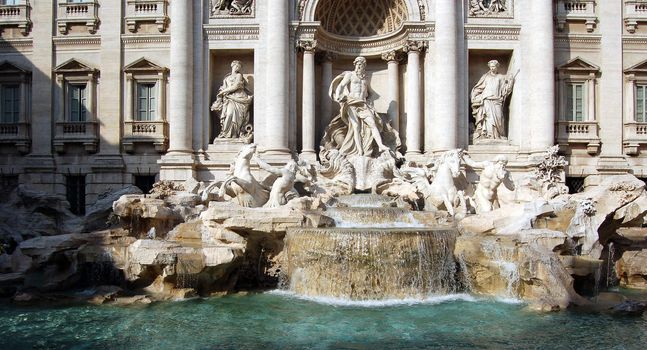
362	27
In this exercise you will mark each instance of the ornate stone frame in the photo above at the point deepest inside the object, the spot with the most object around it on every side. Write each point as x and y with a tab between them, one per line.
635	133
17	133
75	72
155	131
578	70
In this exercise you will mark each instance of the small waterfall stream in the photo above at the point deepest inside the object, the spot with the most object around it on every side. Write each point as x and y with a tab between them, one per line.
374	253
504	258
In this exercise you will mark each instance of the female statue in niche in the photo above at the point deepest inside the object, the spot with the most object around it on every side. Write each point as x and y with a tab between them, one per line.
488	98
233	102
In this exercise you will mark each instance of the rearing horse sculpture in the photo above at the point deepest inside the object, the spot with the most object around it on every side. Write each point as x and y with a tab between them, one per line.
442	193
241	183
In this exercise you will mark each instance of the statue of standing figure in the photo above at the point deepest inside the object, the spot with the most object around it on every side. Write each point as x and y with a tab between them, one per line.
488	98
358	129
233	102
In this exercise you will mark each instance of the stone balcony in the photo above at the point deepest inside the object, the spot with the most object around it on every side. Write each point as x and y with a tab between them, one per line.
16	15
147	11
576	11
155	132
80	13
635	136
585	132
84	133
635	12
16	134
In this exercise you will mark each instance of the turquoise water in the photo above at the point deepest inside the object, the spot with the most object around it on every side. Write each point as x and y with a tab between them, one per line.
274	321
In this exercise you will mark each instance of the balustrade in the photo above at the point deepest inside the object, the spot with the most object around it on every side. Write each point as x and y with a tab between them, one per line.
16	15
84	13
141	11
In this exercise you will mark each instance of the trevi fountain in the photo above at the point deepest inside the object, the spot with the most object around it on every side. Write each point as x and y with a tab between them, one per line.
364	244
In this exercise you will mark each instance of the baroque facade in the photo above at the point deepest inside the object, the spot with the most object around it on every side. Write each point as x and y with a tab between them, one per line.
98	94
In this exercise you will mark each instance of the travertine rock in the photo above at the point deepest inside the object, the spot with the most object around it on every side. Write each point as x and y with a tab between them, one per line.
632	269
520	266
99	213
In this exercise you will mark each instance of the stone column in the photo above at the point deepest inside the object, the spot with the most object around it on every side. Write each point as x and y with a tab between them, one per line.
181	81
538	66
278	54
446	112
393	59
326	102
308	124
413	103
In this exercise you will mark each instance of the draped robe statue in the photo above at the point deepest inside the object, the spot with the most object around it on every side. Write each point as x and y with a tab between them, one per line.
488	98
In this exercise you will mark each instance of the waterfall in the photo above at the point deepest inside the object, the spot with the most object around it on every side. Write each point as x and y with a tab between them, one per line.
186	281
370	217
370	264
504	258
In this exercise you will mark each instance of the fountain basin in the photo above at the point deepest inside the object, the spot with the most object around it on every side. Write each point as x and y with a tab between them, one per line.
370	263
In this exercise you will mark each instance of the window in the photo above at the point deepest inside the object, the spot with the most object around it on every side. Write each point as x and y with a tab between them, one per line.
641	103
10	106
146	102
75	193
575	102
11	2
78	99
145	182
575	184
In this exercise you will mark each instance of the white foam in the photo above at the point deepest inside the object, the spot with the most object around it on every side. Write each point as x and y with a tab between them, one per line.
429	300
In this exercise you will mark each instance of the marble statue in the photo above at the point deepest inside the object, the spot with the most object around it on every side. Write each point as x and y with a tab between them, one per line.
233	102
493	175
283	187
232	7
488	98
443	193
242	185
358	129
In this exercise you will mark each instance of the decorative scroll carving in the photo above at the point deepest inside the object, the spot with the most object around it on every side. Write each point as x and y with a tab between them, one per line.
307	45
391	56
413	45
490	8
223	8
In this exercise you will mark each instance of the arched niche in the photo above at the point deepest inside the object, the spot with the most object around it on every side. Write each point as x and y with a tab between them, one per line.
362	27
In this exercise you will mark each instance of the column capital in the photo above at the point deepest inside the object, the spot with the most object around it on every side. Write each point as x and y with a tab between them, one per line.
392	56
414	46
307	45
